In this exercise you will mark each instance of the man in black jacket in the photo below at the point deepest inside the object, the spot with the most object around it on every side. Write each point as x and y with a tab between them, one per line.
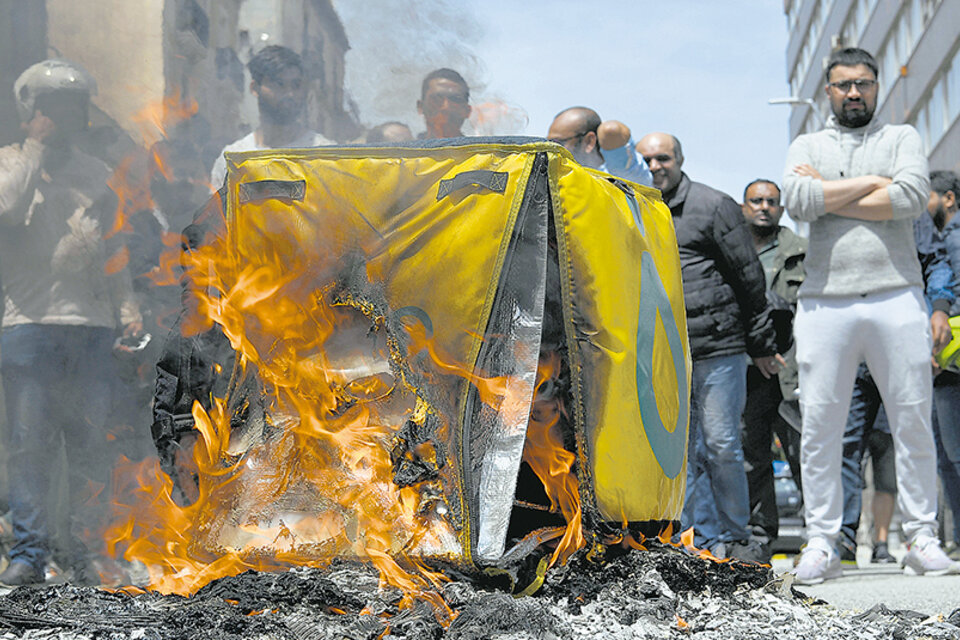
727	318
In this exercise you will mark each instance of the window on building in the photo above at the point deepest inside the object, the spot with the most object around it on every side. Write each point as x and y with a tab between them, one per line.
864	7
952	75
810	40
927	9
793	12
888	66
915	22
901	40
938	110
820	14
850	31
922	123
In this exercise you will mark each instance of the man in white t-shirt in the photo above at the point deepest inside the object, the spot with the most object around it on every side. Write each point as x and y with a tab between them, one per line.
277	81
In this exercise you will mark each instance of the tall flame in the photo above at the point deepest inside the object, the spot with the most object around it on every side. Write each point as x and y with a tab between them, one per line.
325	439
544	451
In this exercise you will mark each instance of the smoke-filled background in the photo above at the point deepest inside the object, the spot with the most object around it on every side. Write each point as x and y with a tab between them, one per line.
395	43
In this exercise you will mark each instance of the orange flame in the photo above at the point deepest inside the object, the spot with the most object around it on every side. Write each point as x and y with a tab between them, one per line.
156	120
325	439
117	262
130	181
495	117
553	464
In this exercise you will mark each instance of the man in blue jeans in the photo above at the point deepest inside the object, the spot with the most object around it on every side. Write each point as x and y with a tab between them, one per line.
728	319
62	308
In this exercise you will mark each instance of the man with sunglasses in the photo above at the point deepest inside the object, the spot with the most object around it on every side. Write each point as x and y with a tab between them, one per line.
444	104
860	184
606	146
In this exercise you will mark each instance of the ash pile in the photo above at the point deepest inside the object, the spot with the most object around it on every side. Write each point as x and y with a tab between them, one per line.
662	592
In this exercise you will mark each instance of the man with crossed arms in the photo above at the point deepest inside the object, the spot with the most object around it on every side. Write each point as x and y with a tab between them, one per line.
860	183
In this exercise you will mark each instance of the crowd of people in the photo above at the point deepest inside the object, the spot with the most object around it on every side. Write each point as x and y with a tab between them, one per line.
823	346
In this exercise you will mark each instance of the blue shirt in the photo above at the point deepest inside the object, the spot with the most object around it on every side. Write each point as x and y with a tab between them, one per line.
933	252
626	163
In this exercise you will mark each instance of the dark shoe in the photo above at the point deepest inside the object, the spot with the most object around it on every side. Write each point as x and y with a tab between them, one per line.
749	551
881	555
848	553
18	574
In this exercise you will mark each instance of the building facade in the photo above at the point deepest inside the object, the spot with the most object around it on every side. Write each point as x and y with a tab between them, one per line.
917	47
143	52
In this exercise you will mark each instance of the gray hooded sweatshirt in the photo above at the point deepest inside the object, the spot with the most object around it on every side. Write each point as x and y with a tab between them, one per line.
854	257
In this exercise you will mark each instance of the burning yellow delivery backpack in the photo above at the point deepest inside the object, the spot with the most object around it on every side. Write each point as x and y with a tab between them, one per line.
426	325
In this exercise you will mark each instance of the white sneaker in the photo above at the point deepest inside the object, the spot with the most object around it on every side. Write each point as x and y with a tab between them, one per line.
925	557
817	565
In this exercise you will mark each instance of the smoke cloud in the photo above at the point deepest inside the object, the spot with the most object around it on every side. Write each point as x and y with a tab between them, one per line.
395	43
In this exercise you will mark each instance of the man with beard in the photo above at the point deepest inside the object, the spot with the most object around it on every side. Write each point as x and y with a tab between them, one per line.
943	206
728	318
860	183
606	146
277	80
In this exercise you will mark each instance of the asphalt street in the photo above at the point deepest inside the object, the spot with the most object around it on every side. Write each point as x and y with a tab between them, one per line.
871	584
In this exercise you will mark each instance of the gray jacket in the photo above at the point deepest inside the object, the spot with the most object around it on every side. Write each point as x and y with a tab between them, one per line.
851	257
55	260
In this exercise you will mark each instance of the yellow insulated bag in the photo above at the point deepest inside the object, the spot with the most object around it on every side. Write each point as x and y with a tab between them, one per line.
468	266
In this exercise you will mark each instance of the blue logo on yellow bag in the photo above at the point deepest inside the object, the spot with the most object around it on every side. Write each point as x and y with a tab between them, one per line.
667	445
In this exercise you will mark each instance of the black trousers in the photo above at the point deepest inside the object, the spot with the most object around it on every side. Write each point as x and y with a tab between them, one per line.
761	419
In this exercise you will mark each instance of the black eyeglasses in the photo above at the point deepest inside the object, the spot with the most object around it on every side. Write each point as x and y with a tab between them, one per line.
861	84
569	138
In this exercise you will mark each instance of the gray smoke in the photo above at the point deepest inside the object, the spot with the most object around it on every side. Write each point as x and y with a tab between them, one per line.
395	43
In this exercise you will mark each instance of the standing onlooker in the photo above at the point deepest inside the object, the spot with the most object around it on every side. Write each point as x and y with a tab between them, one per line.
60	317
607	146
727	316
867	425
444	103
942	205
781	254
277	80
859	184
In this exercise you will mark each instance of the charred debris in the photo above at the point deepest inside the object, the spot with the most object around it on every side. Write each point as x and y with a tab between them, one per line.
663	592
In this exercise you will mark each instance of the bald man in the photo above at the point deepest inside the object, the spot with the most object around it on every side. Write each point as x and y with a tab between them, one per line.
724	292
606	146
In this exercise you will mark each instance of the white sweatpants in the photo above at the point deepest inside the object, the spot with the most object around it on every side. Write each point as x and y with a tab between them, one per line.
890	331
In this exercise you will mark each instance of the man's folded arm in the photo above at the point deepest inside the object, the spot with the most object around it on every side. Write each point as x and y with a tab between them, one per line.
905	193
